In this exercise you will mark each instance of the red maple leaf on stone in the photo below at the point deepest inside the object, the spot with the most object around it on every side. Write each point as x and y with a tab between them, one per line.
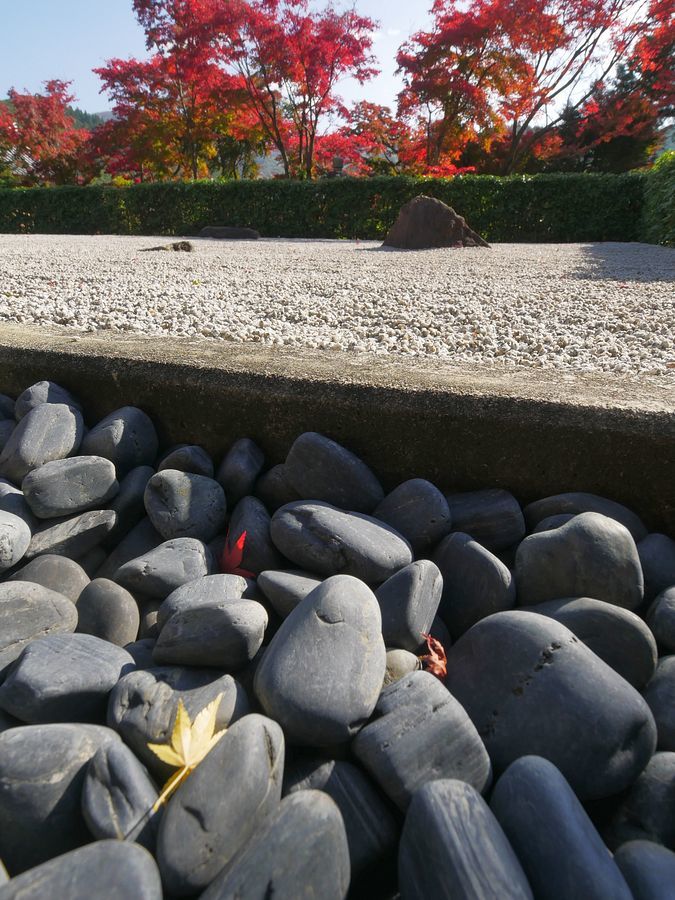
435	661
232	556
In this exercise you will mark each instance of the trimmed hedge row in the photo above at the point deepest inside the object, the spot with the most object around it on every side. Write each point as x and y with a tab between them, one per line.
561	207
659	202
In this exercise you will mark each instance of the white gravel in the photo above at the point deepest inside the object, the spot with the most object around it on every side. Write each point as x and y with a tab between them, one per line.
591	307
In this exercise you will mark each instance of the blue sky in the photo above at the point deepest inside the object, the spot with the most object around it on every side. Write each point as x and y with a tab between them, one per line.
68	38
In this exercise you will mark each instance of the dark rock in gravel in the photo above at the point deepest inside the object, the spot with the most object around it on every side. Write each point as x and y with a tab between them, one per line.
657	558
58	573
221	805
183	505
545	693
108	611
29	611
64	678
551	522
649	869
7	407
661	619
372	832
577	502
118	796
453	846
647	811
64	487
143	705
399	664
251	516
408	603
126	436
6	429
320	538
112	869
160	571
229	233
42	770
50	431
178	246
274	488
72	536
211	589
475	583
299	849
129	504
558	847
187	458
418	511
590	556
15	537
286	588
301	680
141	651
617	636
660	697
492	517
426	222
142	538
420	733
43	392
13	501
239	470
321	469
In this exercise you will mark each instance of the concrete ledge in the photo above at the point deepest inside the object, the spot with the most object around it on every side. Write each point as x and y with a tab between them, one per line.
463	427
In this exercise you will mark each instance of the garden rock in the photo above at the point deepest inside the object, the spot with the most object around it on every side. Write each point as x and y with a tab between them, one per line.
187	458
657	558
408	604
43	392
286	588
661	619
239	470
129	504
72	536
178	246
647	811
425	222
229	233
649	869
6	429
492	517
576	502
141	651
108	611
274	489
15	537
13	501
142	538
65	487
160	571
206	591
126	436
660	696
7	407
29	611
399	664
251	516
183	505
551	522
418	511
48	432
58	573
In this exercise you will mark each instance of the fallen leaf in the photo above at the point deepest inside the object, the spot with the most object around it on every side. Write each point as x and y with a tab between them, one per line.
435	661
231	557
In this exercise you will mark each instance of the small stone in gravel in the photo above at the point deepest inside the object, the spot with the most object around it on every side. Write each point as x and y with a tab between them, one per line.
129	504
475	583
48	432
29	611
58	573
15	537
300	681
557	845
649	869
142	538
408	604
183	505
274	488
118	796
64	487
661	619
420	733
591	556
400	663
160	571
202	592
126	437
108	611
321	469
657	558
221	805
239	470
300	848
450	837
64	678
329	541
660	697
102	869
647	811
73	535
577	502
43	392
42	770
492	517
418	511
187	458
286	588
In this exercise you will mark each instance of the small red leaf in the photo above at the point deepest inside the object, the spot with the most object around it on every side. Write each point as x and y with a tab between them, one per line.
231	557
435	661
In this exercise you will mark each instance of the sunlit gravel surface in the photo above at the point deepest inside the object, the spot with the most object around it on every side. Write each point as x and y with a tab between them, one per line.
591	307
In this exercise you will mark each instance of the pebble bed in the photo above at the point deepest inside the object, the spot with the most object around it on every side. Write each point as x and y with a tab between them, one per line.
606	307
414	694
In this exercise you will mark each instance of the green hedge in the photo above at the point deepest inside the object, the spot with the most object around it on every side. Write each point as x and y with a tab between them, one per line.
659	201
565	207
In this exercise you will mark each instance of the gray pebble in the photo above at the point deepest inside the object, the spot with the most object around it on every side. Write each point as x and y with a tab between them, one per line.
160	571
14	540
43	392
141	651
50	431
58	573
577	502
187	458
126	437
551	522
129	504
647	811
661	619
183	505
418	511
202	592
108	611
660	697
142	538
259	553
240	469
64	487
657	558
492	517
286	588
72	536
13	501
408	603
399	664
274	488
648	868
29	611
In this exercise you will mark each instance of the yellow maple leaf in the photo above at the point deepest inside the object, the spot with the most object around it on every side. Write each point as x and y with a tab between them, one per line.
190	742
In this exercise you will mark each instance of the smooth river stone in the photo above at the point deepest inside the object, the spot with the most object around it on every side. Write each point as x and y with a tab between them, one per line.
418	712
475	583
43	392
322	539
318	468
29	611
65	487
399	664
239	470
660	696
579	502
545	693
141	650
183	505
187	458
452	846
657	558
72	536
251	516
15	537
126	437
408	604
661	619
418	511
648	868
202	592
562	854
129	503
274	489
113	869
286	588
300	849
551	522
108	611
142	538
492	517
58	573
13	501
118	797
42	770
301	680
647	811
64	678
143	706
50	431
221	805
372	831
590	556
616	635
169	566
